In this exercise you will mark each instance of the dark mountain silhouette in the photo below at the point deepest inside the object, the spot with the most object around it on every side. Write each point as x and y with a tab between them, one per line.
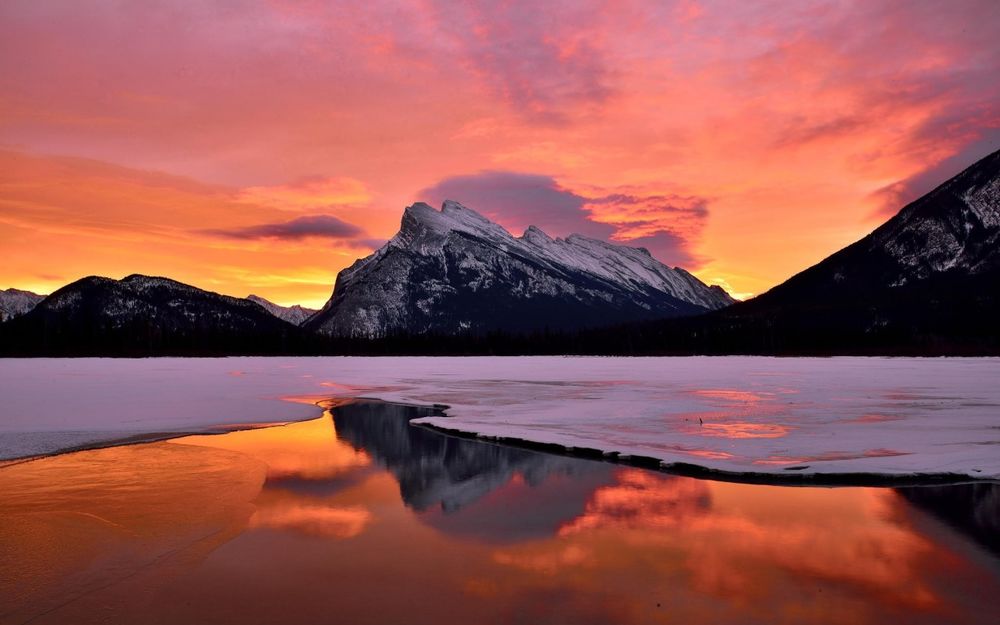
925	282
141	315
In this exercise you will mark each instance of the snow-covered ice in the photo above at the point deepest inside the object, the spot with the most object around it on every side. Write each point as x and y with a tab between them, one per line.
892	416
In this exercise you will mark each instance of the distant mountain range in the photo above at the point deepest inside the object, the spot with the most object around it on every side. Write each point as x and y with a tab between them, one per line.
454	271
295	315
142	315
451	281
15	302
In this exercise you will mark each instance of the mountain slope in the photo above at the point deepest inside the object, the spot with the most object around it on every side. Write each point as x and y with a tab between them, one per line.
15	302
454	271
953	230
294	315
141	315
925	282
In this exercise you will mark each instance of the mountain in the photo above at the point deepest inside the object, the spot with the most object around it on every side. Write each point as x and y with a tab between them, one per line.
455	271
952	231
294	315
925	282
142	315
15	302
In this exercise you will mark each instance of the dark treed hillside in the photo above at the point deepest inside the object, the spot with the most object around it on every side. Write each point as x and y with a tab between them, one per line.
143	316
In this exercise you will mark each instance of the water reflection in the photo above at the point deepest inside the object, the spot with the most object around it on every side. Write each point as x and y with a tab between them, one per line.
972	508
738	414
439	476
359	517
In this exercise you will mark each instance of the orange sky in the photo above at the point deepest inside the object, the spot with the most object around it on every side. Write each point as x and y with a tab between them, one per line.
261	148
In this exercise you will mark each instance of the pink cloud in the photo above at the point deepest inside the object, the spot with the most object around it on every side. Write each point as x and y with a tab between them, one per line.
545	64
518	200
310	193
667	225
305	227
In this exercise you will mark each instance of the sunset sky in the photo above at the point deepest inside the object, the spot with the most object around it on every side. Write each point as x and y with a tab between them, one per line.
262	146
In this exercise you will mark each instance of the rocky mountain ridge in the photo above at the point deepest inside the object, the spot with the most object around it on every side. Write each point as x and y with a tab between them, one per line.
455	271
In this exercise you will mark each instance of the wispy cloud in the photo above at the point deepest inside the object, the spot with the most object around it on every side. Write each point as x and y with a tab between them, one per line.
62	218
545	64
895	196
310	194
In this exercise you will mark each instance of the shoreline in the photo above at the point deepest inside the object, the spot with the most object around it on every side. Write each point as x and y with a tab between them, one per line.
684	469
690	469
141	438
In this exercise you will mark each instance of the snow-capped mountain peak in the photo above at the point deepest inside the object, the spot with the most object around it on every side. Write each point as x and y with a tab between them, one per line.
443	269
535	236
422	222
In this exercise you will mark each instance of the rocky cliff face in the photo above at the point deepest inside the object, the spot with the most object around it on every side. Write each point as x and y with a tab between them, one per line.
454	271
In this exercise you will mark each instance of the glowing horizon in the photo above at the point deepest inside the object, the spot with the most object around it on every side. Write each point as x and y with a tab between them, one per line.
262	149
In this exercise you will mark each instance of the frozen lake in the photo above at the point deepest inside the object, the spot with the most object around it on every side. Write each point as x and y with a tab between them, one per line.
765	416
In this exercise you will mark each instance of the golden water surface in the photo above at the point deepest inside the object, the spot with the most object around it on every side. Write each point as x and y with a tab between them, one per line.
367	521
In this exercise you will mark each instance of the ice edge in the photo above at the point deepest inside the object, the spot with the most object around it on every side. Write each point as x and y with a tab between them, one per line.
786	476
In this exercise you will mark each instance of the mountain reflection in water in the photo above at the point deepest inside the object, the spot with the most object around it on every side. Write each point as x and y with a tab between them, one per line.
360	517
440	476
